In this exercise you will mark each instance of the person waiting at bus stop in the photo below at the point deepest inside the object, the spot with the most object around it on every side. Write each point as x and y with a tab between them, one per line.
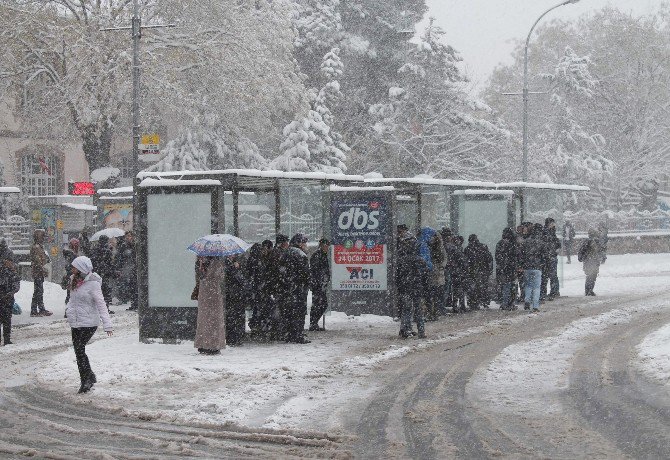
295	276
411	283
320	277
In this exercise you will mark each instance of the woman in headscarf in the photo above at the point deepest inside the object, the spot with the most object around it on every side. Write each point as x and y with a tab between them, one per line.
84	311
210	332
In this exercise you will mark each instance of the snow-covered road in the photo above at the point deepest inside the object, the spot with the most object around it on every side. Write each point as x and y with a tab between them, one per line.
332	384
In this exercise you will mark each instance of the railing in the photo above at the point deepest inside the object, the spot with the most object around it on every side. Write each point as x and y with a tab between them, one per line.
616	222
16	230
258	228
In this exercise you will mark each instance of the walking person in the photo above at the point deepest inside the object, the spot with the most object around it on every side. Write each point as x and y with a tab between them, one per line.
532	262
480	267
103	263
210	332
85	309
320	277
592	254
411	282
38	261
568	238
10	283
506	256
295	274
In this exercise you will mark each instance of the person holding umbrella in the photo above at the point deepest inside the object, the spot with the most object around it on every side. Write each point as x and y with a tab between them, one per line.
210	333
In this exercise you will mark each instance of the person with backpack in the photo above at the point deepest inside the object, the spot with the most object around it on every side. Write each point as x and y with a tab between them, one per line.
411	282
10	283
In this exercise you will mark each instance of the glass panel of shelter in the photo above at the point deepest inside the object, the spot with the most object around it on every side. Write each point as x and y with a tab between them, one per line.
301	210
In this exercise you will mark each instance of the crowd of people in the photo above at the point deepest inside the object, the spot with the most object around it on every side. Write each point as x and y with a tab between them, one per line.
274	280
437	275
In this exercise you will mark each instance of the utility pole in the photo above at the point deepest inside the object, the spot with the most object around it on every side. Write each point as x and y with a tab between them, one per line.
525	93
136	33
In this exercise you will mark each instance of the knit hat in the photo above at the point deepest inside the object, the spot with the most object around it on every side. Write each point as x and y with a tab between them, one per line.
83	264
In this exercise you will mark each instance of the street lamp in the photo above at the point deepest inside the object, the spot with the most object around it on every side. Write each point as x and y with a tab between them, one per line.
525	89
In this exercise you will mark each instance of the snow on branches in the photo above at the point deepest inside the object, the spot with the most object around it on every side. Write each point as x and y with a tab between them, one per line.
310	142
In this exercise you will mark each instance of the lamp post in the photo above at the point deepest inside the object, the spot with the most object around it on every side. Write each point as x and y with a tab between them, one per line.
525	88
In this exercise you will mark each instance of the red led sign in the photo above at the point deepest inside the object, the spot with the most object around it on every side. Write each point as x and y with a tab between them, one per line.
81	188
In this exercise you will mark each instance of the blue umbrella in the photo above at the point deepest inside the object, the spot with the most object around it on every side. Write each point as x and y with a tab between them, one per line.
219	245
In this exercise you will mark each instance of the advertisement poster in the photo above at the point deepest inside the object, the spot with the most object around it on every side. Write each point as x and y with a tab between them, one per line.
359	230
118	216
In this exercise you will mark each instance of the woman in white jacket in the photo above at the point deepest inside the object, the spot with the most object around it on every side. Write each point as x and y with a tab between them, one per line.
84	311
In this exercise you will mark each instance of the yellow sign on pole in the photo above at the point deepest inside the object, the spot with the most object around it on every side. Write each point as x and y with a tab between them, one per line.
59	224
54	251
153	139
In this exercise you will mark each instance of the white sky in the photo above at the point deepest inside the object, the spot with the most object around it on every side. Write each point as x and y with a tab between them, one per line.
483	30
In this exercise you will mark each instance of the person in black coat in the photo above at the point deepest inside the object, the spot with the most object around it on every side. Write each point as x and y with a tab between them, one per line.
320	277
458	267
275	287
592	254
257	273
126	270
10	283
550	271
411	283
507	262
295	279
237	295
480	267
103	265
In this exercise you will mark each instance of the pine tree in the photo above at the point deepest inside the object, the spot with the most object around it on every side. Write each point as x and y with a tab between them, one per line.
310	143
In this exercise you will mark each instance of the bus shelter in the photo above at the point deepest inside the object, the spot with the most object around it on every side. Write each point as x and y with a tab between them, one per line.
176	208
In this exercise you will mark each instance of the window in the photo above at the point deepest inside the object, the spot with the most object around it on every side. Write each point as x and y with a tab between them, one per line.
40	174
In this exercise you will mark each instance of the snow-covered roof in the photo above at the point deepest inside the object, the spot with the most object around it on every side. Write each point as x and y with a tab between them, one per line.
542	186
10	190
80	206
337	188
150	182
255	173
432	181
116	198
484	192
115	191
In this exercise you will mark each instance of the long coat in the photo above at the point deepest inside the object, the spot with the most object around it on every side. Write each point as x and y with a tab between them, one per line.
592	254
210	332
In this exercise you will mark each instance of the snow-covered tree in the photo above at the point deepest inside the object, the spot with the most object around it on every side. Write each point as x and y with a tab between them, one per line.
74	79
629	107
565	150
429	124
206	146
310	142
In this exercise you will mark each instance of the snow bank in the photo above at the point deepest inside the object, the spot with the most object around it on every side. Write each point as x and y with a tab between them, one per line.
654	352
